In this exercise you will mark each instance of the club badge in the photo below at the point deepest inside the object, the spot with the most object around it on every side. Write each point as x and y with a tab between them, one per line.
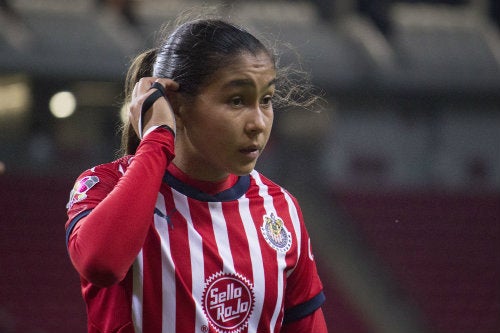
275	233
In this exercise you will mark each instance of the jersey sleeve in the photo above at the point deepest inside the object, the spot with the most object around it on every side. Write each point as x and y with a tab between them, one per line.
90	188
314	322
111	207
304	290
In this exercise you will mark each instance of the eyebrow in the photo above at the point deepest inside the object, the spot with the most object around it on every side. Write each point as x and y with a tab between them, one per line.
246	82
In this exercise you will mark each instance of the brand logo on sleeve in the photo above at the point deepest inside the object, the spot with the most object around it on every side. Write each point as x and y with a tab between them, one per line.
228	301
275	233
79	191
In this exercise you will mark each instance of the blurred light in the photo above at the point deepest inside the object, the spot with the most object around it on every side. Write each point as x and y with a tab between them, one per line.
62	104
14	98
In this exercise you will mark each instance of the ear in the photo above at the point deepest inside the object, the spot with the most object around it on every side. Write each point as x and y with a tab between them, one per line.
177	101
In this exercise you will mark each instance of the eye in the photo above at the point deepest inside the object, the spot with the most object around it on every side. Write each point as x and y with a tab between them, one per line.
267	100
236	101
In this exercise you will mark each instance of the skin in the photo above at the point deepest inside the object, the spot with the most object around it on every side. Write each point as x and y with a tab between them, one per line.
225	128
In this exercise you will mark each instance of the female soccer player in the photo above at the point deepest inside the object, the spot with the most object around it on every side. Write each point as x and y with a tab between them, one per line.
181	234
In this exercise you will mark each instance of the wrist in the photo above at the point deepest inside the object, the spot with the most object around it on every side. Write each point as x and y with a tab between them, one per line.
154	127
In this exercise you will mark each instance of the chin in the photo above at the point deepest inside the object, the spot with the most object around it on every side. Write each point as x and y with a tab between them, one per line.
243	171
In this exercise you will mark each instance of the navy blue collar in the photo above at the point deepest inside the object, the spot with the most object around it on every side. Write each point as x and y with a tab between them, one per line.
233	193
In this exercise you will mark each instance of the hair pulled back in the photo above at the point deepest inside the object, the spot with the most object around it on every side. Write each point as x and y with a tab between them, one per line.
193	52
189	56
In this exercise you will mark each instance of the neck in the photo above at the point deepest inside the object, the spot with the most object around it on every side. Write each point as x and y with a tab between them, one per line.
208	186
199	171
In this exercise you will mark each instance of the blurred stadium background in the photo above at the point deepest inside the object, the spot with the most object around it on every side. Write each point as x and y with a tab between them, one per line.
398	176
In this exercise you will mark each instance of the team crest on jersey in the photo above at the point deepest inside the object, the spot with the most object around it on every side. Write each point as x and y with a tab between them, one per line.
228	301
79	191
275	233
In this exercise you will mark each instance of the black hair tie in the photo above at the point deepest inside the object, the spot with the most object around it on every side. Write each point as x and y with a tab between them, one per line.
150	100
159	86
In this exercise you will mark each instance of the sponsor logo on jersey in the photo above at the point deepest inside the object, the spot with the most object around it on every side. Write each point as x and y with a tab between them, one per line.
275	233
228	301
79	191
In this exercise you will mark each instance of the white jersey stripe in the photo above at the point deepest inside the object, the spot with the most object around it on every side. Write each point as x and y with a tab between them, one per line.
168	269
257	263
270	209
196	256
296	225
221	235
137	293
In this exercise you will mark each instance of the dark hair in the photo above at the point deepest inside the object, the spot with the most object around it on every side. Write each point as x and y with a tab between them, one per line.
189	56
195	50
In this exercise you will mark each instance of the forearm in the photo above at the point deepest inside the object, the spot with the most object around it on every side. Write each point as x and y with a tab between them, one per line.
105	243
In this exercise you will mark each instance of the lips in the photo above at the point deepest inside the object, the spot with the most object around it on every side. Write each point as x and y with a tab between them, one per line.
251	151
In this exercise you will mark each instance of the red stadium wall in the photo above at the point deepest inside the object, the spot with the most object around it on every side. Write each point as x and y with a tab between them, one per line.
39	290
441	249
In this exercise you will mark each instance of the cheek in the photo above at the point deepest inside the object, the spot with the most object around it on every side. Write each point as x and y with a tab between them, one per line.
269	123
200	124
271	120
212	134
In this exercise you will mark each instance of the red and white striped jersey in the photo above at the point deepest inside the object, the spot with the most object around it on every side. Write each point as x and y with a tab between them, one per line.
236	261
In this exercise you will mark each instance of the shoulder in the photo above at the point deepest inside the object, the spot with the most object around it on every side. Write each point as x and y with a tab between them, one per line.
119	165
100	178
112	169
262	180
270	186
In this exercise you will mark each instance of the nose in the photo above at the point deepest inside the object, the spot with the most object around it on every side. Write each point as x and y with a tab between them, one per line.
257	120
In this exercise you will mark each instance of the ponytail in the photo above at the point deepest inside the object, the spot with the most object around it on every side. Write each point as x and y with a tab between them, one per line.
142	66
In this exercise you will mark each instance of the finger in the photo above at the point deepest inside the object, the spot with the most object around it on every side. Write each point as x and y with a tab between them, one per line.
168	84
145	84
134	91
159	87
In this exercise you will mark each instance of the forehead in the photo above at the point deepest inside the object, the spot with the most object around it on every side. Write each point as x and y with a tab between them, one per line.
245	69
